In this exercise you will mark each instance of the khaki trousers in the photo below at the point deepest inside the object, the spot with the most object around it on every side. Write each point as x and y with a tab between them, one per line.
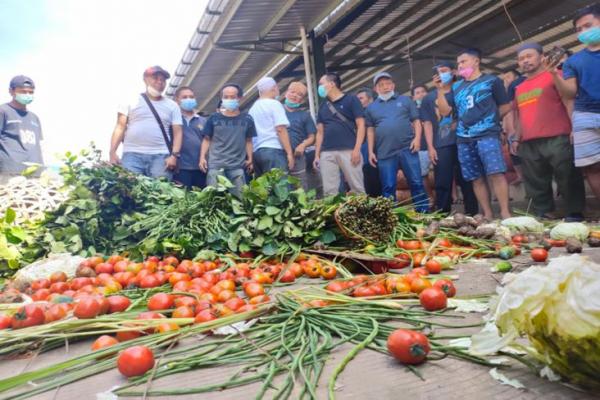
331	163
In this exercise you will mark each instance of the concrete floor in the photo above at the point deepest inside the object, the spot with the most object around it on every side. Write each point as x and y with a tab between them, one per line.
369	376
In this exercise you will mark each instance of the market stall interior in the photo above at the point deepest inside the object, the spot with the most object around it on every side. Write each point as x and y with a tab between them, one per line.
118	285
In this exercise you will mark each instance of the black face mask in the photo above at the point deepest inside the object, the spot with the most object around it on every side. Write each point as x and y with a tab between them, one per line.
559	66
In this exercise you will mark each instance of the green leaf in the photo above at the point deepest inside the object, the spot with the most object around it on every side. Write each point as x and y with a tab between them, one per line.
271	210
10	216
30	170
265	223
16	234
327	237
269	249
258	241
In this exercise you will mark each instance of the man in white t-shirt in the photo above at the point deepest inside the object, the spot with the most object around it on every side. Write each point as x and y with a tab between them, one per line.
272	148
146	149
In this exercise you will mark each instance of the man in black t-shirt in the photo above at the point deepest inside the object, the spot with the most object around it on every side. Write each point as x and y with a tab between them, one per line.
20	130
340	133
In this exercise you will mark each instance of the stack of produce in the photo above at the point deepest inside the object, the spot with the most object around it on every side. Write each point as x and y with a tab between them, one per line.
557	307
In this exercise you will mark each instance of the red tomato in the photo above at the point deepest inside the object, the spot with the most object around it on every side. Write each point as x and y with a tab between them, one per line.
118	303
185	301
149	281
40	295
59	287
287	277
135	361
253	289
123	336
263	298
433	299
56	312
447	286
245	308
412	245
58	276
407	346
160	301
104	341
433	267
235	303
335	286
27	316
78	283
87	307
204	316
5	321
328	272
104	268
420	271
171	261
121	266
402	260
40	284
225	295
183	312
419	284
296	269
167	327
445	243
539	255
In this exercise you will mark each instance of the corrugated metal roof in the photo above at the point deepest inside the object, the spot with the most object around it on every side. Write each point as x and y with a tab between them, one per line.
410	35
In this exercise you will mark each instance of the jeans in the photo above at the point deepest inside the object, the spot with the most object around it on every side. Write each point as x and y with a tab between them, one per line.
372	181
388	174
152	165
235	176
445	171
191	178
299	171
266	159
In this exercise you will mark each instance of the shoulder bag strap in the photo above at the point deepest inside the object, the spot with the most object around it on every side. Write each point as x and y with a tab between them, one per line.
160	124
340	116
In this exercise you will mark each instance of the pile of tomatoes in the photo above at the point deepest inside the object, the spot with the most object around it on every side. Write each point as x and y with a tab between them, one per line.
204	290
367	286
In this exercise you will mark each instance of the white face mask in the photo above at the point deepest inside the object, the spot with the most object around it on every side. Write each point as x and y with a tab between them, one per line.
153	92
386	96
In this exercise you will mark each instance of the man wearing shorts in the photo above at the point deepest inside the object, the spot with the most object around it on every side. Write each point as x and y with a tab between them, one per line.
480	101
581	81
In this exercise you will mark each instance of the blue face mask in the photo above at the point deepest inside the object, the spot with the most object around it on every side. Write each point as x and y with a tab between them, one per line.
322	91
291	104
590	37
188	104
446	77
24	98
231	104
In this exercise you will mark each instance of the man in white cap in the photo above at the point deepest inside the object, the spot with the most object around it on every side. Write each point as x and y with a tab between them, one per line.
20	130
272	148
144	127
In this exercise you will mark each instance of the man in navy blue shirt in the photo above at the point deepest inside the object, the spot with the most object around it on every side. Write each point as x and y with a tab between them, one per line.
394	137
441	132
340	133
581	81
189	173
479	101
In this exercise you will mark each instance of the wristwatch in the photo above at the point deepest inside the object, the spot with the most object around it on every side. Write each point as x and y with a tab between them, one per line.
176	154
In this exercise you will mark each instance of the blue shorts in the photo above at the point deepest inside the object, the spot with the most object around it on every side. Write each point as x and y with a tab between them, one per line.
481	157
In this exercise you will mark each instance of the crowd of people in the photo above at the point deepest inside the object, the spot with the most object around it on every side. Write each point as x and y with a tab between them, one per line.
456	135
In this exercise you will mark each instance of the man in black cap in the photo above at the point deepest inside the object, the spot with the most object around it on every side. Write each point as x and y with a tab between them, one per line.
20	130
150	128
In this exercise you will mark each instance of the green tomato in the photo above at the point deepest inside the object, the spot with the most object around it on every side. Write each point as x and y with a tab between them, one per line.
502	266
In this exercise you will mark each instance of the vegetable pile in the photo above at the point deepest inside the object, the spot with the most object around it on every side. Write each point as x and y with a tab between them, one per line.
558	308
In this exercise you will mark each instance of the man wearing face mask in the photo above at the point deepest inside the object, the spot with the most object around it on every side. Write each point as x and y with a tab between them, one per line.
581	81
144	125
189	173
340	134
394	137
227	141
542	138
20	130
302	128
272	148
440	131
479	101
418	93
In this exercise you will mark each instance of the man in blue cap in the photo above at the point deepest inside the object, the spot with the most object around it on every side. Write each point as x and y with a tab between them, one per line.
394	138
150	128
20	130
440	136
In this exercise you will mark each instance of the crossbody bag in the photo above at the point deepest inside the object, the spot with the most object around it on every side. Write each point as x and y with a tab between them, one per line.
168	141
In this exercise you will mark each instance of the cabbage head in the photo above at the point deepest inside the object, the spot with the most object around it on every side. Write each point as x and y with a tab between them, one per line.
558	308
568	230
